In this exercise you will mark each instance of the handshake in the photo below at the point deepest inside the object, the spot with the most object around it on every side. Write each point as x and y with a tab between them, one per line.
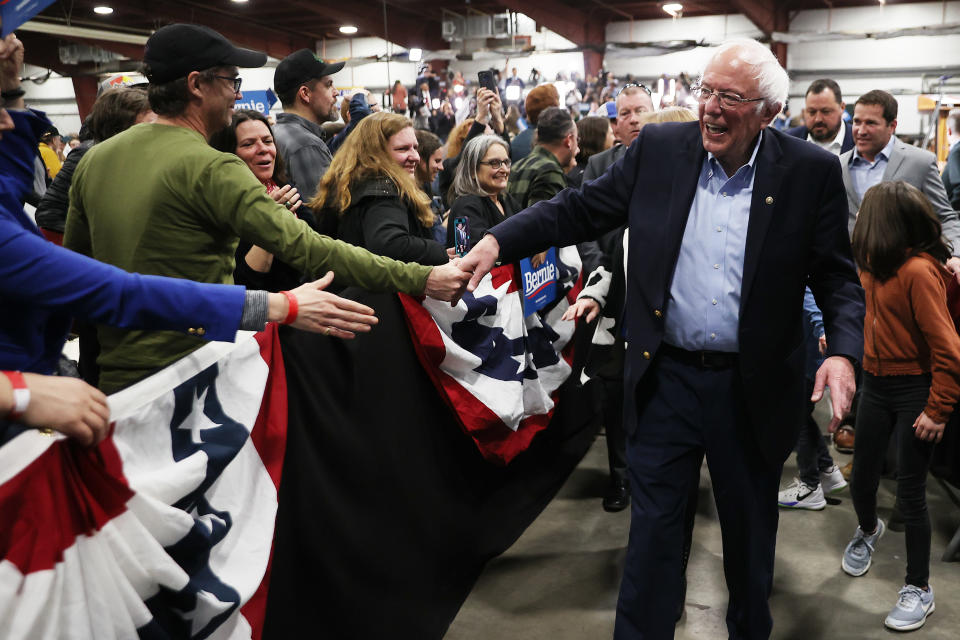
319	311
449	282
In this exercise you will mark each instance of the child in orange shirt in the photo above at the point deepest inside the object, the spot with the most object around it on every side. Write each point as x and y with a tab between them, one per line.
911	378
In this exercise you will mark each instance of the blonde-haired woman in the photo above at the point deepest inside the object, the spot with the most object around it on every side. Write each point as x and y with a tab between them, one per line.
370	194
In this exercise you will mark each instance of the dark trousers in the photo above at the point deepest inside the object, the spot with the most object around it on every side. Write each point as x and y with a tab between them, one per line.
612	390
889	405
685	413
812	454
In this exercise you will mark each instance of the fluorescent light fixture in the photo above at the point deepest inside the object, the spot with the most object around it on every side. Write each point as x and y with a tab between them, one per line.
103	10
348	29
675	9
415	54
238	1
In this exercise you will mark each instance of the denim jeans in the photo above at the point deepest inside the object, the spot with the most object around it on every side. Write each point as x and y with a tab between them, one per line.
889	405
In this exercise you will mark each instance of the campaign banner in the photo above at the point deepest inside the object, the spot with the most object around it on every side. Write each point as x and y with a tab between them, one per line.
14	13
257	101
540	284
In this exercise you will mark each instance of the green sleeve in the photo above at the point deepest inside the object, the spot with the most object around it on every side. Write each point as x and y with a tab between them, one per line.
545	186
240	202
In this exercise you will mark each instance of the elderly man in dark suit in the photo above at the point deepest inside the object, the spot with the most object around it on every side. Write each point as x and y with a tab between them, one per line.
823	118
729	221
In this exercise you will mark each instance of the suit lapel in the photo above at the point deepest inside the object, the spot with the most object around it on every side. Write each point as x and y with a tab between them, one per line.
893	164
768	175
681	196
853	200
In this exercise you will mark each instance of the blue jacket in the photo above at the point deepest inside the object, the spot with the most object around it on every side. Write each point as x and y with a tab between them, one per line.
42	286
797	237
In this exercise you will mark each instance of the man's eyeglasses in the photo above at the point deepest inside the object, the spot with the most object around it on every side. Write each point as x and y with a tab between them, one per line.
727	99
236	82
496	164
634	84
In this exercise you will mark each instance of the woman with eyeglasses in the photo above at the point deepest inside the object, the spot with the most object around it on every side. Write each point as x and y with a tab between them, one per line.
480	188
369	196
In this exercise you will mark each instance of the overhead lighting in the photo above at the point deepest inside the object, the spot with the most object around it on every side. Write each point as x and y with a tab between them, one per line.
103	10
348	29
415	55
238	1
675	9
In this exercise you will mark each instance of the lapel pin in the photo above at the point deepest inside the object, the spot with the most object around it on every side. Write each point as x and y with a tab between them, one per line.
769	200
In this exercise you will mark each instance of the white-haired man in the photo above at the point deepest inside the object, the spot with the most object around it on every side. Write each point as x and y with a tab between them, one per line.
729	220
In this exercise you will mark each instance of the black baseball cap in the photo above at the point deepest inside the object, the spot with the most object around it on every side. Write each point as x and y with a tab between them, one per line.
175	50
299	68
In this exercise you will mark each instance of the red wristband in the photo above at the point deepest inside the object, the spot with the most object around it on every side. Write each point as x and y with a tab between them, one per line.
21	394
293	309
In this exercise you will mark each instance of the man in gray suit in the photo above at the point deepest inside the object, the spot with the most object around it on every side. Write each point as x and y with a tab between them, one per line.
879	156
632	102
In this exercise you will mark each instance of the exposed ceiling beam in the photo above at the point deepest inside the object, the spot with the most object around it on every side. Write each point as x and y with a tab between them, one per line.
367	15
580	27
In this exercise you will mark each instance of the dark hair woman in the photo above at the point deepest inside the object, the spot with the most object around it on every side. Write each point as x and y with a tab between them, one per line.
370	197
431	162
596	135
250	137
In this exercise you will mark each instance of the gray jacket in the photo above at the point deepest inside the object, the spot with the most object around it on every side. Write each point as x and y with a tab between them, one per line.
919	168
304	152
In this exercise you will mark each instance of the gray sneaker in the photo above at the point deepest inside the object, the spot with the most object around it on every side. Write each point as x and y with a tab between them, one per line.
857	555
911	610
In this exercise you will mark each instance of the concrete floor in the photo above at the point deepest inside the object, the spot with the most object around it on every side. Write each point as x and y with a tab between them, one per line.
560	580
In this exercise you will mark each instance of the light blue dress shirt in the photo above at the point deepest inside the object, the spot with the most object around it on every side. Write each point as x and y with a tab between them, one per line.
865	174
703	309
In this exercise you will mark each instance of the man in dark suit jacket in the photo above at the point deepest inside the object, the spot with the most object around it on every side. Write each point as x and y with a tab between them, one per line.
823	118
632	102
715	365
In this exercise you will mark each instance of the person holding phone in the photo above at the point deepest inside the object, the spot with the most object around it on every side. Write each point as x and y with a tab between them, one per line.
480	189
370	197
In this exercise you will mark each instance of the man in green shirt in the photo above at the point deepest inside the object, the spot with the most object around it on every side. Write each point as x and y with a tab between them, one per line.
157	199
541	174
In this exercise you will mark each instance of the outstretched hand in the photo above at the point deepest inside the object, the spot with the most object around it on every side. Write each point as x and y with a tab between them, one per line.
584	305
323	312
478	262
836	372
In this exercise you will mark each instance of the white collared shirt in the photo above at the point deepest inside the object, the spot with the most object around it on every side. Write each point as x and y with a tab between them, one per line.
835	145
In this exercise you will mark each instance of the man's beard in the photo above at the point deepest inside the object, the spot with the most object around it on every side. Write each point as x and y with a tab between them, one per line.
829	136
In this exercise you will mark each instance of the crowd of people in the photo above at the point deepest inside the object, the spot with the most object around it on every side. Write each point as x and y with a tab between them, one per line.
726	252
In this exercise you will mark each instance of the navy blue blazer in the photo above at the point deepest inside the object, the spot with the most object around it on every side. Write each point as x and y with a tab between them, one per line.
802	131
797	235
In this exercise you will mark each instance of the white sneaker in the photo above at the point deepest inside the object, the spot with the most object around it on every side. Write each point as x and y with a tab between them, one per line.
832	481
912	608
800	496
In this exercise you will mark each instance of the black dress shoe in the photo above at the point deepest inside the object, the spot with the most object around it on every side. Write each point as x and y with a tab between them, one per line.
617	497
